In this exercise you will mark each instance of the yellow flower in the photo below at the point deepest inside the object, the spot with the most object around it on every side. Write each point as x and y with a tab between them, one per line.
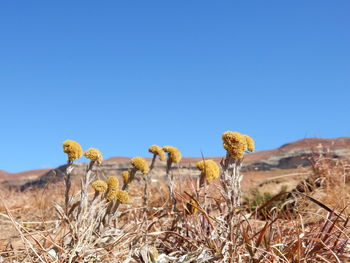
112	182
125	175
155	253
250	143
72	149
122	196
112	194
155	149
140	164
99	186
210	169
94	155
173	153
235	144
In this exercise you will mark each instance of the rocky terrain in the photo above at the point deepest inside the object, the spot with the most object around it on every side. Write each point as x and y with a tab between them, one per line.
275	162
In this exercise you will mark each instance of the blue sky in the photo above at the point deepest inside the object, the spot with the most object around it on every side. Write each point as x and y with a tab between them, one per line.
122	75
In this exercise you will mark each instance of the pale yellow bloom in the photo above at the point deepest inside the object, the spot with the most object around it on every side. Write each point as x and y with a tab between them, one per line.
99	186
235	144
155	149
140	164
125	175
112	182
72	149
155	253
250	143
210	169
122	196
94	155
173	153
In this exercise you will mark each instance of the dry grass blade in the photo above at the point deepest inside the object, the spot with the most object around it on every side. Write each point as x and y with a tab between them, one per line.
323	206
26	241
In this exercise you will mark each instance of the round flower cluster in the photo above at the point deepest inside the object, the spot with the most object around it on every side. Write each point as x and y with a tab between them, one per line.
100	186
237	144
72	149
125	175
173	153
210	169
112	182
156	150
250	143
119	195
94	155
140	164
122	196
113	193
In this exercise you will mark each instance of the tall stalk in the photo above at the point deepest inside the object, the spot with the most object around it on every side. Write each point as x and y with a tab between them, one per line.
230	179
68	184
85	182
147	179
170	183
174	156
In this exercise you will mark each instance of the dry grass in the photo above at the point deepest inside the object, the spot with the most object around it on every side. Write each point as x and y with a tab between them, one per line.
313	229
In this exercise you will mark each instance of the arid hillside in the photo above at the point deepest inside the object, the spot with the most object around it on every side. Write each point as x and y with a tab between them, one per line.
25	175
287	160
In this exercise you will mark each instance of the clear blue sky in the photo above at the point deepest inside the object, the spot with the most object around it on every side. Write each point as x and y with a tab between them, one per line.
122	75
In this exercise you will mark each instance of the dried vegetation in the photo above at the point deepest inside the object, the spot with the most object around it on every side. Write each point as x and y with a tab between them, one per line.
178	219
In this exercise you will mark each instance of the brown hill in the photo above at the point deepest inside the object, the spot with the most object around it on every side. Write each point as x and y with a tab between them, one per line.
289	156
9	176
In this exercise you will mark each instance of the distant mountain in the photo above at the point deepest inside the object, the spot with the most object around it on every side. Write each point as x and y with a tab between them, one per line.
292	155
288	156
26	174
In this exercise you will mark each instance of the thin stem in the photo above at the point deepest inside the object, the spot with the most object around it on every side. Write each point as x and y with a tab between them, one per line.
145	190
153	162
170	182
85	182
147	179
124	188
68	184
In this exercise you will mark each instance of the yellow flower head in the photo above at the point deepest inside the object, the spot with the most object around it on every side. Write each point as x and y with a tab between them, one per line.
250	143
112	194
122	196
155	149
235	144
140	164
155	253
112	182
99	186
94	155
210	169
72	149
173	153
125	175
